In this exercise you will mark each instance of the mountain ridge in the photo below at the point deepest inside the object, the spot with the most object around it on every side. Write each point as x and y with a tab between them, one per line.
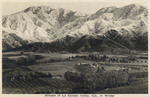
48	25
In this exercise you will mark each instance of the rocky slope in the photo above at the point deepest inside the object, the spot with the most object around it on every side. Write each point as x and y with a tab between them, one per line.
11	40
123	28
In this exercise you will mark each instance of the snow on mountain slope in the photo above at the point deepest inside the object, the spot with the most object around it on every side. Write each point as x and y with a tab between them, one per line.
127	17
39	23
45	24
126	12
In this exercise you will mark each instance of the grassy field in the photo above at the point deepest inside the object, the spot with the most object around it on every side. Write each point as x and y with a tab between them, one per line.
57	68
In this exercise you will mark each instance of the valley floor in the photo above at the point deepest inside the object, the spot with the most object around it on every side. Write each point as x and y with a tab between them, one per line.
32	72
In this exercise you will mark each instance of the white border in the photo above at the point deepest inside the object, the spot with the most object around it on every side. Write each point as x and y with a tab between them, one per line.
43	95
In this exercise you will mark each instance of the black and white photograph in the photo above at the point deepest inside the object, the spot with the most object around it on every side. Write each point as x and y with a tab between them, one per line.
74	47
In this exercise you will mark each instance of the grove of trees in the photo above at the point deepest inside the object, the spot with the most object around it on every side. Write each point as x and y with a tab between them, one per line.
98	80
101	79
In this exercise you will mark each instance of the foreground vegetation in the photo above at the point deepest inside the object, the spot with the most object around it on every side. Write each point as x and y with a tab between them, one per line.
102	79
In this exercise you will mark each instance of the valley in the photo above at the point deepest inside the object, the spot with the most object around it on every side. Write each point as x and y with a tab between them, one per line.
19	76
49	50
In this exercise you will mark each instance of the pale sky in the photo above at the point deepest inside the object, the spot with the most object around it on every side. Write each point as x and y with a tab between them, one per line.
84	7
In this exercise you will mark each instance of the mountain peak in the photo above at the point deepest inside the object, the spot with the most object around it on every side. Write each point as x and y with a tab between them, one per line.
35	9
106	9
134	5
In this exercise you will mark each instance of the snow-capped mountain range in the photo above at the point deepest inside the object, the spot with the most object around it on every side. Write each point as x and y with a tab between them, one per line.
47	25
